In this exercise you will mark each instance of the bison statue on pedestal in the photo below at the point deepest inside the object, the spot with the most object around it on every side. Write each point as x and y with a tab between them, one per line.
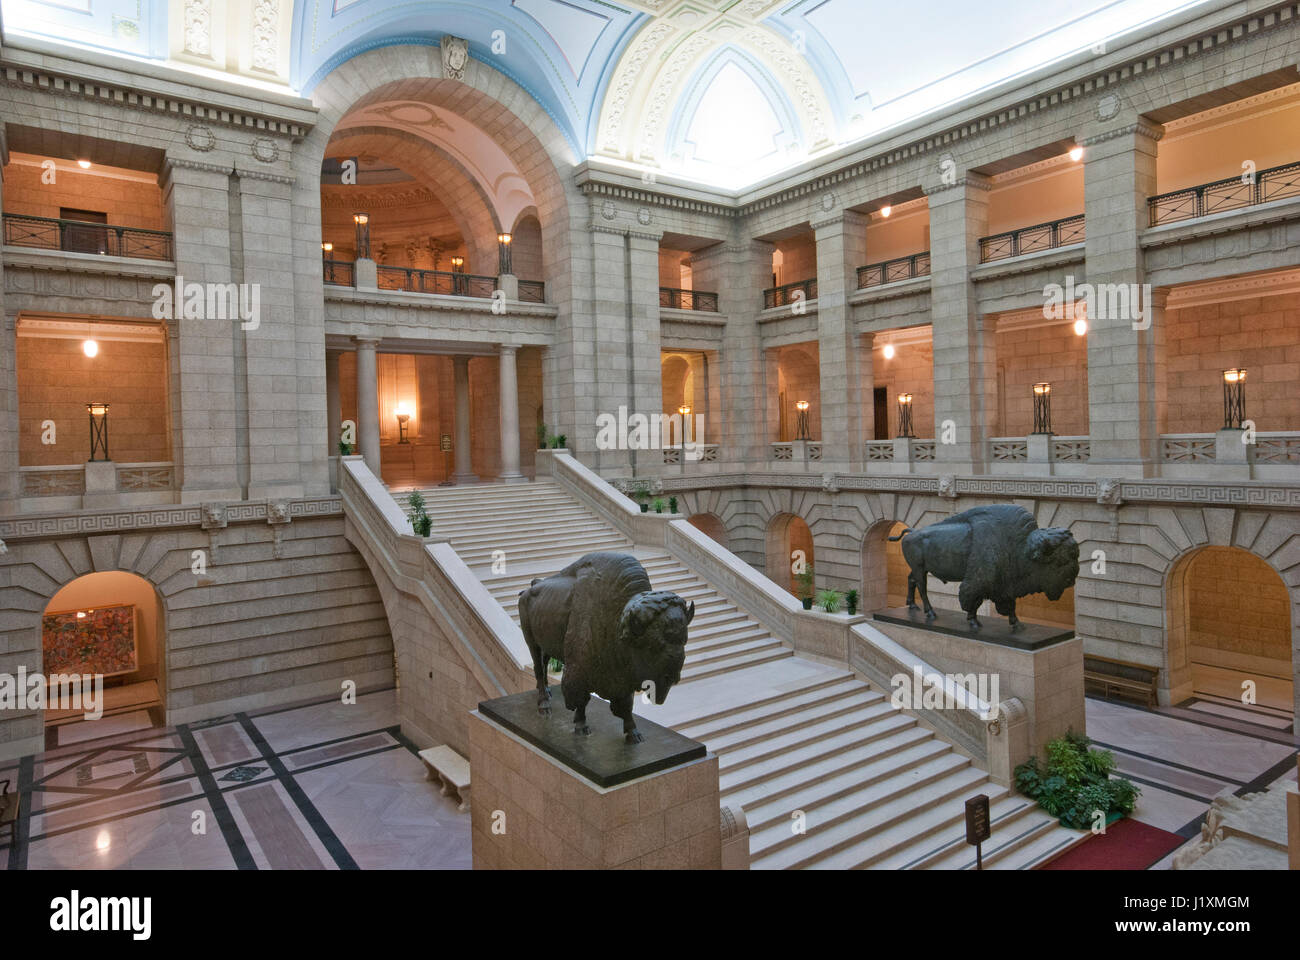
613	633
998	553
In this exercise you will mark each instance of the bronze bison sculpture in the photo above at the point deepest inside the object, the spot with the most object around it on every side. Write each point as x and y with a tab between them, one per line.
998	553
613	633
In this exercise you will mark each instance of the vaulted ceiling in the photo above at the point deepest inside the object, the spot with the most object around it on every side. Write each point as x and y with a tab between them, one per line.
723	91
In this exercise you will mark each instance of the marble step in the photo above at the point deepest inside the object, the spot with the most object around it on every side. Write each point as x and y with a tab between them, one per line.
557	547
1013	824
718	655
862	827
747	701
777	706
787	722
903	737
693	672
820	794
820	734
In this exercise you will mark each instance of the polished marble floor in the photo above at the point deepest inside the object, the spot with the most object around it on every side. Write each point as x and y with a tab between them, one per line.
335	786
320	786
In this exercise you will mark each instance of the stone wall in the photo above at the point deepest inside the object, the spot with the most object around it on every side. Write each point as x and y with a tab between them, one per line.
262	626
127	198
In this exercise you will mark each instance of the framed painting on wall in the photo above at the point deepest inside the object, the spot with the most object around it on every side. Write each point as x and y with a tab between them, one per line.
101	641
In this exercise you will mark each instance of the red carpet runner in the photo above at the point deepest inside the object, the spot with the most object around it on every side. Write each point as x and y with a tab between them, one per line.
1126	845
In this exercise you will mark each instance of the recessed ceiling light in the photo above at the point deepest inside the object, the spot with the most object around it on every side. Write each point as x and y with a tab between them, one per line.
889	351
886	210
90	348
1076	154
84	164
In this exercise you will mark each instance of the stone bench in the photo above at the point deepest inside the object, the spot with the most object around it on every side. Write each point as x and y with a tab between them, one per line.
1119	677
451	769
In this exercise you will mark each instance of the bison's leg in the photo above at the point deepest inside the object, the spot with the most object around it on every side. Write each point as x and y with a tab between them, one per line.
922	579
911	590
580	716
1011	616
621	707
539	672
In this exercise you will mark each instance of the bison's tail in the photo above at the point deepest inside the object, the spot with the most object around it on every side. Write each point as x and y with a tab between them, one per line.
906	531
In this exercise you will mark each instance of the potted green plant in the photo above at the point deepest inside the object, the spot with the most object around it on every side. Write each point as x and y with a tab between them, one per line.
421	522
672	504
829	600
806	580
559	442
542	437
851	602
659	504
554	670
1076	785
643	498
345	449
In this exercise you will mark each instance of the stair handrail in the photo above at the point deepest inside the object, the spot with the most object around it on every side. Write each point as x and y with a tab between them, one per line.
491	642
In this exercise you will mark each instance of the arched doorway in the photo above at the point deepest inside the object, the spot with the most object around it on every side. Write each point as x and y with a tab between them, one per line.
884	571
711	525
109	627
1230	628
789	548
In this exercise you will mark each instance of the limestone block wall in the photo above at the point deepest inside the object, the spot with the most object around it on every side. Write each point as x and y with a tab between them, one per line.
56	380
1261	334
128	198
910	371
1236	605
903	233
1045	353
261	626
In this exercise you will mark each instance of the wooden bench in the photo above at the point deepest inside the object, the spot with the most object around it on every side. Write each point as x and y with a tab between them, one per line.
9	811
451	769
1120	678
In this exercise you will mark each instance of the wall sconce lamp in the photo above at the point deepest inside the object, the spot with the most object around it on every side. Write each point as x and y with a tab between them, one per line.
98	431
1234	398
457	264
503	245
905	415
362	220
801	424
1042	408
326	249
403	417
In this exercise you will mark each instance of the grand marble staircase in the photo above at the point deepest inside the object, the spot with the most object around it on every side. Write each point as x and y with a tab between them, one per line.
875	787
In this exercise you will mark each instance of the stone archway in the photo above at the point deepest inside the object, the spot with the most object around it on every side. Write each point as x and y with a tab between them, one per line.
884	572
1229	619
789	540
711	525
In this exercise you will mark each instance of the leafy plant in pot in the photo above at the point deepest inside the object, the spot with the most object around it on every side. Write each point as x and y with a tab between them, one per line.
559	442
542	437
345	449
644	499
659	504
672	504
829	600
806	581
851	602
1076	784
421	523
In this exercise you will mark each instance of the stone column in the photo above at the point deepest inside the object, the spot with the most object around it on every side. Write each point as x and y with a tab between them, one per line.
9	477
1125	361
333	406
965	376
368	403
507	375
464	472
841	249
738	271
208	414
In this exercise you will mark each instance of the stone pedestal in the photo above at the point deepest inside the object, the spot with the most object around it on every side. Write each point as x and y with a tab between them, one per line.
1039	665
532	810
101	484
1232	457
366	274
1038	453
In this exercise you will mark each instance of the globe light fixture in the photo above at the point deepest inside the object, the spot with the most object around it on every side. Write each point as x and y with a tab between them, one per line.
1080	327
886	210
403	417
1042	408
503	246
362	221
98	431
1234	398
801	423
889	351
905	415
90	348
327	248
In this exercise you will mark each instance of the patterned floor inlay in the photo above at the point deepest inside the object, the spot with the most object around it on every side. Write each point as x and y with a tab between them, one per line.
317	786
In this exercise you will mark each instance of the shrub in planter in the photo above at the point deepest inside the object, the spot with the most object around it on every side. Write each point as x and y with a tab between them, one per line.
560	442
806	581
829	600
1076	784
421	523
672	504
851	602
659	504
345	449
542	437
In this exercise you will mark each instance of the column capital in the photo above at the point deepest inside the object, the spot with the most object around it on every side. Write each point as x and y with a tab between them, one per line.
845	219
507	348
367	342
1140	127
945	191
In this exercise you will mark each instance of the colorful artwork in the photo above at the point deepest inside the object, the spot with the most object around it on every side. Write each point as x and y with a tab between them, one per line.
98	641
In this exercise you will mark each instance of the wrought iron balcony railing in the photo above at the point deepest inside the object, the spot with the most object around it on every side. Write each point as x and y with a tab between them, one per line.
1275	183
1041	236
790	293
890	271
412	280
338	272
78	236
678	299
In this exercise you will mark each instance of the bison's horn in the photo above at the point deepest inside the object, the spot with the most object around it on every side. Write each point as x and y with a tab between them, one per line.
690	612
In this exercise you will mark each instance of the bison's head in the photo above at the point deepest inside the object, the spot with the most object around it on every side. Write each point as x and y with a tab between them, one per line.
652	638
1053	557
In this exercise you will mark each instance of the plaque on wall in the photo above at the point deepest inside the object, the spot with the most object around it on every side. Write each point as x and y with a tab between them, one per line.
99	640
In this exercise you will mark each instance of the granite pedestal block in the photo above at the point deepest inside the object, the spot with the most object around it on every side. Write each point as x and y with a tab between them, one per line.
547	798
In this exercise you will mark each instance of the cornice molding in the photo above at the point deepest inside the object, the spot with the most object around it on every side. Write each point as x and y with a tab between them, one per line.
1143	128
590	187
180	108
172	516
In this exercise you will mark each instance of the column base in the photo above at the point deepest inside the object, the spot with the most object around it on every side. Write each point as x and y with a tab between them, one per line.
512	478
458	479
